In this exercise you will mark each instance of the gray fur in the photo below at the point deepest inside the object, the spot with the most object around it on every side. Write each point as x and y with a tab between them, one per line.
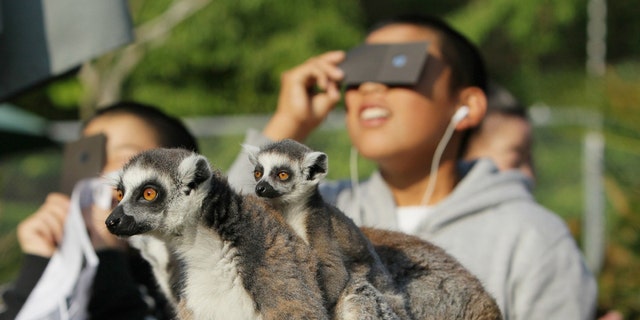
438	286
432	284
355	283
240	258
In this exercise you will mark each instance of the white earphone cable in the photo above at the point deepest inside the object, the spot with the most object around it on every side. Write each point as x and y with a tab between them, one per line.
435	162
442	144
353	168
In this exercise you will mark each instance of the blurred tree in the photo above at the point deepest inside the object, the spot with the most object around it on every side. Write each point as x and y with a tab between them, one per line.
376	10
102	80
211	57
620	280
226	58
526	38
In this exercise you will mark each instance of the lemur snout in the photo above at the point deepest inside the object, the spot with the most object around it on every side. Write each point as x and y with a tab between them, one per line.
112	223
265	190
114	219
121	224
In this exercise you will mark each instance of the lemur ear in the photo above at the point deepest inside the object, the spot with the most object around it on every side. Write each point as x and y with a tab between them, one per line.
315	165
193	171
252	152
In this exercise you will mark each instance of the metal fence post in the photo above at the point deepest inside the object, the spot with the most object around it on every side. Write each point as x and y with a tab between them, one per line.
594	218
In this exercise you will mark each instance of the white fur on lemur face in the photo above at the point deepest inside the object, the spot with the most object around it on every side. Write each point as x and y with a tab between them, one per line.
159	194
286	171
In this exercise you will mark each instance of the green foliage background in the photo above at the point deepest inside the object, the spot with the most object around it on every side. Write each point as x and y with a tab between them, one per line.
209	65
227	59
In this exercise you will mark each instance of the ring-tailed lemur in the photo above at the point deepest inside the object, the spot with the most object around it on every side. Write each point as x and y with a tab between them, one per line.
434	284
355	283
241	260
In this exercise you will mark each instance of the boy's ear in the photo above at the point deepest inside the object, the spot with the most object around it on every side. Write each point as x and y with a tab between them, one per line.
476	100
252	153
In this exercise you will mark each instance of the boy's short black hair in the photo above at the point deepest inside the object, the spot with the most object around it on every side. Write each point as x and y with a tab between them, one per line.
501	101
171	131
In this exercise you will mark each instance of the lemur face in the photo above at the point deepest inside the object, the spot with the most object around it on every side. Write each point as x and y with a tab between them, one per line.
158	190
142	196
275	178
286	170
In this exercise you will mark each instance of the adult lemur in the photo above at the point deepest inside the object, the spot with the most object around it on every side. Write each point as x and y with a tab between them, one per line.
436	284
432	284
240	259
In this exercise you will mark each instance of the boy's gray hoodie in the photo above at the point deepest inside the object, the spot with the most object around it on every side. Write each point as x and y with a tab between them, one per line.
523	253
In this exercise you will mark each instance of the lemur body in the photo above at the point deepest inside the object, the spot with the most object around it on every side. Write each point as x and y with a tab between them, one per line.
240	259
436	284
433	284
165	265
355	282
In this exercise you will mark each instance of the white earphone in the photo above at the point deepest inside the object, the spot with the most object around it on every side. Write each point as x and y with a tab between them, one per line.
460	114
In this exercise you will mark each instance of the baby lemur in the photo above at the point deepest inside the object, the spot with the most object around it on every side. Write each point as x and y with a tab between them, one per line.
351	274
426	282
240	258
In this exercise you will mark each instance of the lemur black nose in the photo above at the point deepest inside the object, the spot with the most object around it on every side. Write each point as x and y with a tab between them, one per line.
260	189
112	222
265	190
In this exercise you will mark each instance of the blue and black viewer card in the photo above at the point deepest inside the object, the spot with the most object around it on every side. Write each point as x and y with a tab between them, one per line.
399	64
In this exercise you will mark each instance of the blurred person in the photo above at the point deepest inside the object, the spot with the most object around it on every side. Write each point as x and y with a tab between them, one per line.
486	218
123	284
504	135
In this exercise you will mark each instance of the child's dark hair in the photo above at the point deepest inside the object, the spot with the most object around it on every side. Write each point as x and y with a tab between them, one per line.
465	60
171	131
501	101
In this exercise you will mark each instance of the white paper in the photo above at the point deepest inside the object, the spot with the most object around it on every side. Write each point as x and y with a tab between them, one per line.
63	291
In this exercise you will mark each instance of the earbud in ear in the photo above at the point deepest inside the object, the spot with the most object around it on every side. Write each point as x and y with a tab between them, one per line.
462	113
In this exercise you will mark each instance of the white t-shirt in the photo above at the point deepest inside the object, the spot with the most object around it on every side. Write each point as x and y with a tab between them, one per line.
410	217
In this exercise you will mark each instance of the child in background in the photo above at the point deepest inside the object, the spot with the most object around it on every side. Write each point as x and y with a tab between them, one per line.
123	284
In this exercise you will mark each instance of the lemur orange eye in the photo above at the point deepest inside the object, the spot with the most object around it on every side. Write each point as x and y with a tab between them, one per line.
150	194
119	195
257	174
283	175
